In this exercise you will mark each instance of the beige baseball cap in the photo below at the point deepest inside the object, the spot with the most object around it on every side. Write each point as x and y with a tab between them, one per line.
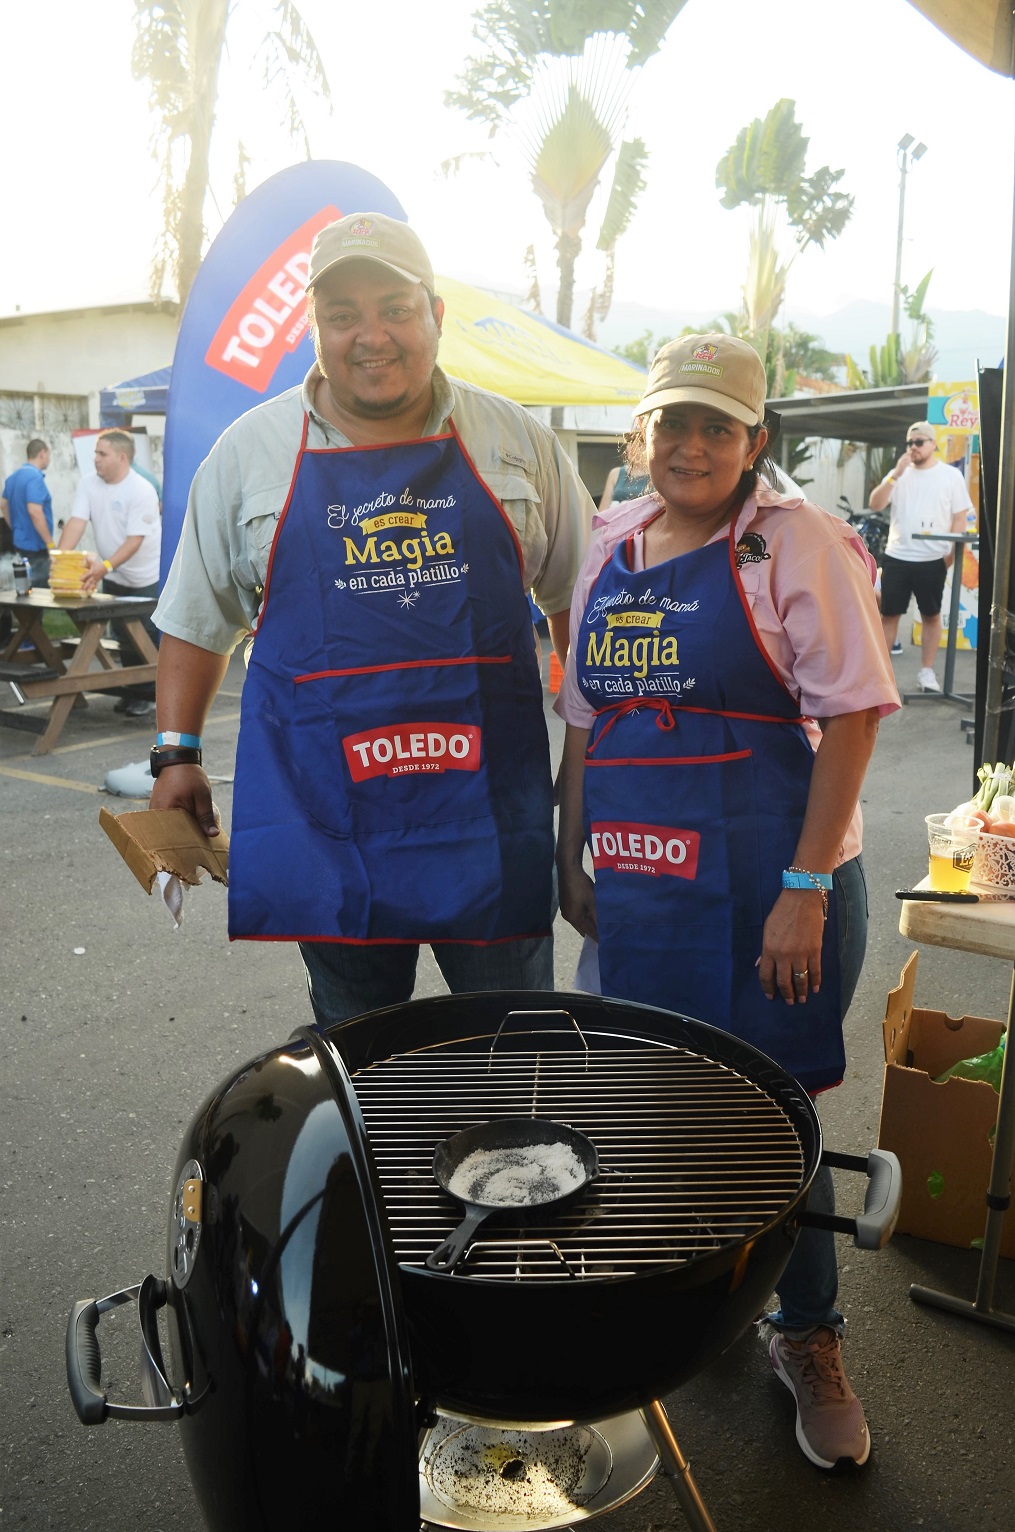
371	237
717	370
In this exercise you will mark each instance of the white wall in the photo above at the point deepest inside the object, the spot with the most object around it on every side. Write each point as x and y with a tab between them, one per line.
84	350
828	480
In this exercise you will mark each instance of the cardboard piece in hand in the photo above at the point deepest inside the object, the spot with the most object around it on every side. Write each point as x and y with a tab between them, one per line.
170	840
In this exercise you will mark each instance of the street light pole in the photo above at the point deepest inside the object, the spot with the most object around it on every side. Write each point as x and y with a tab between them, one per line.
907	159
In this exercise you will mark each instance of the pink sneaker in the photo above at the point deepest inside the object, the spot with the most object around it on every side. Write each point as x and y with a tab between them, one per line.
829	1417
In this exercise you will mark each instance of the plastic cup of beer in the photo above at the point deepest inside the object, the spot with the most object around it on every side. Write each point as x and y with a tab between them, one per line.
952	846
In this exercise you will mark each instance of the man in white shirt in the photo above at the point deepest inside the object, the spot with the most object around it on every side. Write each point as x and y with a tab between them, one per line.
123	510
925	496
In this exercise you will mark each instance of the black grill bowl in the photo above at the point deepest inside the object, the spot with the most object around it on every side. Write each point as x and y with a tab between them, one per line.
307	1356
582	1349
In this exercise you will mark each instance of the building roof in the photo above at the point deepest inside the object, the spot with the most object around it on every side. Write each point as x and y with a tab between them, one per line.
875	416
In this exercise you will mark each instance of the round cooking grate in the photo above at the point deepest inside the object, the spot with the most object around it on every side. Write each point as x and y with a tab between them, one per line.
693	1156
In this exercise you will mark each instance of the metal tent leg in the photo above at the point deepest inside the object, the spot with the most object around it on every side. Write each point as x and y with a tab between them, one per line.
676	1468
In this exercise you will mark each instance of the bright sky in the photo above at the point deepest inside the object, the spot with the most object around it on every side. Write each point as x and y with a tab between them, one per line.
862	75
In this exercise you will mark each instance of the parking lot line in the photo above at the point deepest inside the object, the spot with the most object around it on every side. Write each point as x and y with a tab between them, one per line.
38	776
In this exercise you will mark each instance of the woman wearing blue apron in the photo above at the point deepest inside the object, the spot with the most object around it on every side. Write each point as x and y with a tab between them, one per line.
713	624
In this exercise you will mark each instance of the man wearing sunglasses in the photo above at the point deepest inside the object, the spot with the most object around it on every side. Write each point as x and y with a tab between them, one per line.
925	495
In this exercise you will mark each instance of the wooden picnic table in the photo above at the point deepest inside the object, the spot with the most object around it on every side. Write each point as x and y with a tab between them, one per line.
35	665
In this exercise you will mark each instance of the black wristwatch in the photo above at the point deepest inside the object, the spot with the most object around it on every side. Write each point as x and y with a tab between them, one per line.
176	755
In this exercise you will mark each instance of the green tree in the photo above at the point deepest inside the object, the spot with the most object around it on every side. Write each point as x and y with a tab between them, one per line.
764	170
897	361
643	348
558	74
178	49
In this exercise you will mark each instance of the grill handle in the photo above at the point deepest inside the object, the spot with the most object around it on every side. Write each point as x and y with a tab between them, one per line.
514	1016
873	1228
84	1359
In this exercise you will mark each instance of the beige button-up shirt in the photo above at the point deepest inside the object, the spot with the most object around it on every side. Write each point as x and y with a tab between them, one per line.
215	586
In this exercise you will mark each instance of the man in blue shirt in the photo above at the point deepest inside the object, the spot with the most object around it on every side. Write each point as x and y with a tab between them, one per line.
28	510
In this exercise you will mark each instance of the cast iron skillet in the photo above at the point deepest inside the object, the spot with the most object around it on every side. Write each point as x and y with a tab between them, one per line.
503	1133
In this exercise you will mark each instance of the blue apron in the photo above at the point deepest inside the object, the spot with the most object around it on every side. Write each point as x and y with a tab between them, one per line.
696	782
393	774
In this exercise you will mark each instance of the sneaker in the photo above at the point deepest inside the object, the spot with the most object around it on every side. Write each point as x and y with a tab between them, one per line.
928	681
896	647
140	708
829	1417
132	781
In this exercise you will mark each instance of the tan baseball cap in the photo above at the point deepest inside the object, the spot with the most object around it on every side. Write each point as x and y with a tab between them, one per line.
922	428
371	237
717	370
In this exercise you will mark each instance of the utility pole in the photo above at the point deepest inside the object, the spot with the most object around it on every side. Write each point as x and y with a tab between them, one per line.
907	159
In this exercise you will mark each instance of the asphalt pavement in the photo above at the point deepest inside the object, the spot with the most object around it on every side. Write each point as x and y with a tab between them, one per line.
115	1027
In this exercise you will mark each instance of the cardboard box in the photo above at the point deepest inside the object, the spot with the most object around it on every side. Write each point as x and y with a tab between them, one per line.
152	841
943	1134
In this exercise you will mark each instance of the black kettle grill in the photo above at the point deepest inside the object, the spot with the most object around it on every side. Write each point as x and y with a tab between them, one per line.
313	1354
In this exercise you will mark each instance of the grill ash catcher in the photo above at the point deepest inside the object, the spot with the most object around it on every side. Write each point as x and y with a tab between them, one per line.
325	1353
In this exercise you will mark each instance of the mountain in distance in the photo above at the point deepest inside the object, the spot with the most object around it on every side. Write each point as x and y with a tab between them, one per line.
963	337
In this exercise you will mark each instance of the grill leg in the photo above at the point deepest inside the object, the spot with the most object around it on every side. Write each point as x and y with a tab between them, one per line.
676	1468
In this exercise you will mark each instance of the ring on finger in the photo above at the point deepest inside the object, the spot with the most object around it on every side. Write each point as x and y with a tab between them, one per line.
800	973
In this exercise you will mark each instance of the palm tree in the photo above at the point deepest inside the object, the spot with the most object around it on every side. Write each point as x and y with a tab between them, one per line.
559	75
178	49
764	170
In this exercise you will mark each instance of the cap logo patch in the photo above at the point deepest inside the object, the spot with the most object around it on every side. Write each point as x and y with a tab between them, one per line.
362	226
706	352
713	371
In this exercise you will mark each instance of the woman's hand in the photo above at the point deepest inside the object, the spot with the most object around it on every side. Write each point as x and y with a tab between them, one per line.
577	894
186	787
790	962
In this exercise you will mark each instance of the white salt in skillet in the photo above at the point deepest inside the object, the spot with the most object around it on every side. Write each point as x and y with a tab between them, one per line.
526	1166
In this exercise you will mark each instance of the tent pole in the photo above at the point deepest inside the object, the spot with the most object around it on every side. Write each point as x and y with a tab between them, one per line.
999	609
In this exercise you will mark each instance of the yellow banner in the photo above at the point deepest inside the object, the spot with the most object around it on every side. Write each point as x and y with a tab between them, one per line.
525	357
634	620
394	519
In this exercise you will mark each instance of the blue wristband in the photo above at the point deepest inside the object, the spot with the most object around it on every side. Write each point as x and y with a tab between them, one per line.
796	877
170	737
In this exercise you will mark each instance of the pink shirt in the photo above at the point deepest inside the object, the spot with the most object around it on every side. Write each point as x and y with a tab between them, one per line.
812	602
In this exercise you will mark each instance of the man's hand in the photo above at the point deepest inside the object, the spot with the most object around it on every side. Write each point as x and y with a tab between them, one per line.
96	572
186	787
905	461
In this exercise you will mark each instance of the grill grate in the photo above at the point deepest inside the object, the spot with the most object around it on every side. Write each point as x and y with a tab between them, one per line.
693	1156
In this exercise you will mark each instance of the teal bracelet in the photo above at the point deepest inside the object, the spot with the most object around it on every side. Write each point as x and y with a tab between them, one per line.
818	882
798	877
170	737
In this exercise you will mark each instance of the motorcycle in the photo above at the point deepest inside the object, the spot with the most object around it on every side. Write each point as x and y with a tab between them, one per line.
871	525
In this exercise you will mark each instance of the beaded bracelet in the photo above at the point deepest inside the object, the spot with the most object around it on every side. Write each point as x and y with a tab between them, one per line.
801	877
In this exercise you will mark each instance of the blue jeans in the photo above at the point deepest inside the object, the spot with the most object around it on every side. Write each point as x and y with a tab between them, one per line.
38	561
347	980
810	1284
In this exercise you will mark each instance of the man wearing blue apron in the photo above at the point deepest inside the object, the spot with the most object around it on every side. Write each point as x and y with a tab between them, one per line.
378	531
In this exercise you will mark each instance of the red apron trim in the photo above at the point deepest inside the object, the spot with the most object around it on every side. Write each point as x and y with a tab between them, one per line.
672	760
370	670
278	525
750	617
399	941
482	482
